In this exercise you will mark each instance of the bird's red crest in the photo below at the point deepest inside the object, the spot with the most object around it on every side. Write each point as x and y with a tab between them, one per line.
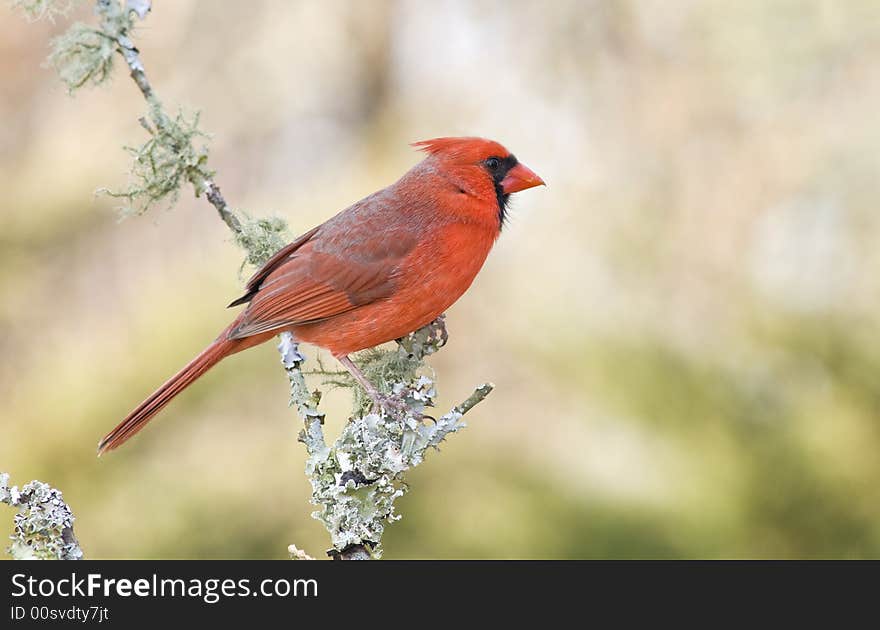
466	148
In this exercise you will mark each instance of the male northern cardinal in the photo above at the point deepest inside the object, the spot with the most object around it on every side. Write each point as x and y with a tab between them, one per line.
377	271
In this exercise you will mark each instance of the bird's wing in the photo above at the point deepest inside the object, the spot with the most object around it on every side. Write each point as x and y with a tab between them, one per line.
339	266
278	258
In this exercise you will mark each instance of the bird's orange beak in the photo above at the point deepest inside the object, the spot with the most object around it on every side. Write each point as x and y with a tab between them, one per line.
519	178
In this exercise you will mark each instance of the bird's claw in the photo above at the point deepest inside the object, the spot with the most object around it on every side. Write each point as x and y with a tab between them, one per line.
395	405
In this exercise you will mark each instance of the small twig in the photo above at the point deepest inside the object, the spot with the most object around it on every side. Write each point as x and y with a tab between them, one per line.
137	72
213	195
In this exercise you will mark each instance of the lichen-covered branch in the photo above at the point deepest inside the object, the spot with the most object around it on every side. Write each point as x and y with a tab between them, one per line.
43	524
356	480
305	401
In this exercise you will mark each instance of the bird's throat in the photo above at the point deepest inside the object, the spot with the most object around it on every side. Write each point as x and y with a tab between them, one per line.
503	200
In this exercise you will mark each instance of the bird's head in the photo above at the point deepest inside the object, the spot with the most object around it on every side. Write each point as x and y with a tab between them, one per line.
483	161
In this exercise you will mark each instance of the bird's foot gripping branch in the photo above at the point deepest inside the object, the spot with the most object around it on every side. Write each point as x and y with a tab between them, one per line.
356	480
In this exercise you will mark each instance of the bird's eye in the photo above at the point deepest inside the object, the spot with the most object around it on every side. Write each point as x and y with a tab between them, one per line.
493	163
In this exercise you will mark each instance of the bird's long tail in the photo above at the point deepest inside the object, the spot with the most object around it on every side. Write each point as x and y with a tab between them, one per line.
143	413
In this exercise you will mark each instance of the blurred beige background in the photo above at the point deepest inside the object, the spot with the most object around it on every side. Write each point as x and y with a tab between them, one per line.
682	327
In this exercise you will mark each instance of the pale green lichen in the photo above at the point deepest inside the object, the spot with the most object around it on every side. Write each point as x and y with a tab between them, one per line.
357	480
40	9
171	156
261	237
43	525
82	55
167	160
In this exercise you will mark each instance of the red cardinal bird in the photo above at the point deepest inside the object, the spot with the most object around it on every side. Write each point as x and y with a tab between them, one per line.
377	271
